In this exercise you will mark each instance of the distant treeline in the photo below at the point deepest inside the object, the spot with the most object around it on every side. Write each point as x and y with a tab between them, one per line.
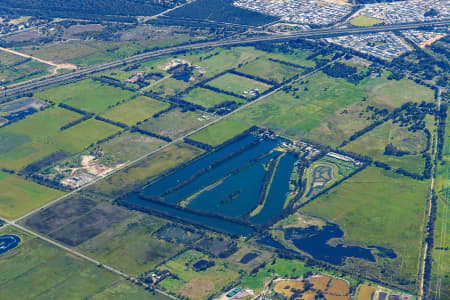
113	10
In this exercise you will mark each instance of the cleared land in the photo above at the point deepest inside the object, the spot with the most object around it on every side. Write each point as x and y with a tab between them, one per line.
38	270
377	207
176	123
87	95
128	146
135	110
20	196
208	98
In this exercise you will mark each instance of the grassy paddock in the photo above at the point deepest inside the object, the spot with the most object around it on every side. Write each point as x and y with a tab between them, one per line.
131	245
176	123
269	70
378	207
38	270
87	95
20	196
237	84
220	132
135	110
208	98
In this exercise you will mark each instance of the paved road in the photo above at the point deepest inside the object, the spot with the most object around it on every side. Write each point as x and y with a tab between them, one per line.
315	33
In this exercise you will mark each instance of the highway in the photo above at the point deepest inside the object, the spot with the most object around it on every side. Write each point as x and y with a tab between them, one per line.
314	33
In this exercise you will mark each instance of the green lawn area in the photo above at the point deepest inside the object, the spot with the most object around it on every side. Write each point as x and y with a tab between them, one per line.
269	70
38	270
238	84
128	146
135	110
87	95
131	245
208	98
365	21
282	268
220	132
381	208
374	142
146	170
176	123
197	285
20	196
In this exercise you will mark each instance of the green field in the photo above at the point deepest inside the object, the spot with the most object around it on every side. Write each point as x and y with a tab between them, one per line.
281	268
38	270
374	142
87	95
169	87
290	115
147	169
197	285
365	21
237	84
390	94
378	207
269	70
176	123
20	196
380	93
131	245
71	140
208	98
128	146
135	110
22	141
220	132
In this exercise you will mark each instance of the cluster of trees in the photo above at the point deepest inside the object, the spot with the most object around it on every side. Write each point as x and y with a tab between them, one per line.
113	10
198	144
269	82
113	82
115	123
146	132
224	107
430	242
442	117
45	162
